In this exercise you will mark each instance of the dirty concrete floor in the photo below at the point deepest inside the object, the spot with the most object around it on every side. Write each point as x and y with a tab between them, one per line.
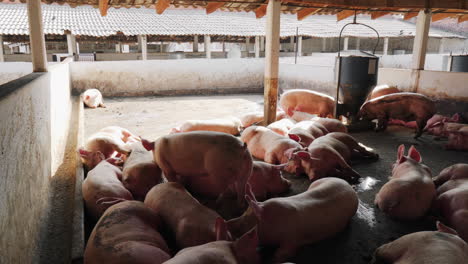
152	117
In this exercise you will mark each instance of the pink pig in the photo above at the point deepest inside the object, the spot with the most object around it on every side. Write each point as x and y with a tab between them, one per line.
227	125
307	101
331	124
452	197
291	222
458	139
257	117
243	250
92	98
103	187
205	162
410	191
307	131
140	173
269	146
191	223
266	180
282	126
356	150
128	232
441	246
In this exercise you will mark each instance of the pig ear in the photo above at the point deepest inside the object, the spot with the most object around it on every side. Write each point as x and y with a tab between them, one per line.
256	207
147	144
304	155
221	229
87	97
295	137
414	154
400	152
247	243
83	153
443	228
436	124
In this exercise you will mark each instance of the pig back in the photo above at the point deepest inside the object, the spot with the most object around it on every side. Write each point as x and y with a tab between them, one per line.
403	106
309	101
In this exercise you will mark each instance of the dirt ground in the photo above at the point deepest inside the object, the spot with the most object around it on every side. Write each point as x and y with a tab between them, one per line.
152	117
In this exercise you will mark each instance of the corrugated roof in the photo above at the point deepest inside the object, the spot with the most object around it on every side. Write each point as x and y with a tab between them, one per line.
87	21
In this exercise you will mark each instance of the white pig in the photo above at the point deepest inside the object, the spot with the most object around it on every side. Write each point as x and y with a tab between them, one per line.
92	98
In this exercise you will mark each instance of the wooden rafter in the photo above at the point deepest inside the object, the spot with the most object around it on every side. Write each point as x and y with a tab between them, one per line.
385	4
410	15
377	14
462	18
305	12
211	7
161	6
260	11
440	16
344	14
103	7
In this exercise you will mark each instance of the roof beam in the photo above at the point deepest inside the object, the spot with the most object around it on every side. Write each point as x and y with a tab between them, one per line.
103	7
372	4
377	14
260	11
344	14
211	7
462	18
410	15
440	16
305	12
161	6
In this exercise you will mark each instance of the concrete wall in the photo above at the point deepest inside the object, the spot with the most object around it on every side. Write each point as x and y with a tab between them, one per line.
296	76
35	129
169	77
13	70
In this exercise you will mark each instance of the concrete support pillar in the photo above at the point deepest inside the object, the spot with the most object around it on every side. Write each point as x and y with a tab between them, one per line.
161	47
257	47
36	36
208	46
385	46
2	57
345	44
442	45
324	44
299	46
420	40
118	47
195	43
262	43
271	60
143	46
247	45
358	43
71	44
292	44
224	47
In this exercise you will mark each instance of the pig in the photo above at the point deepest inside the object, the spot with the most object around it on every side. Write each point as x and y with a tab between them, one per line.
266	180
321	160
267	145
437	119
452	197
257	117
282	126
441	246
458	139
402	106
335	144
101	184
205	162
140	173
307	131
92	98
442	129
128	232
307	101
291	222
230	125
108	141
301	116
243	250
357	151
409	193
331	124
381	90
191	223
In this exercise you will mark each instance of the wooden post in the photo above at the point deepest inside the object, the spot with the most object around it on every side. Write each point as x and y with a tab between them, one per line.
257	47
262	43
208	46
358	43
271	60
291	44
442	45
420	40
2	57
161	47
143	46
36	36
299	46
247	44
324	44
345	44
385	46
195	43
71	44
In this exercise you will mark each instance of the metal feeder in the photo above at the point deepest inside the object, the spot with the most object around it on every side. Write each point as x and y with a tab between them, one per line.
357	75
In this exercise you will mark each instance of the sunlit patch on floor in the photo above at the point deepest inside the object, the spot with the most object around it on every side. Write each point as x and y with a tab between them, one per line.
366	213
366	184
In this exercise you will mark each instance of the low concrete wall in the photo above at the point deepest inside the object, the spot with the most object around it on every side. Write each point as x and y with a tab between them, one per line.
296	76
36	186
13	70
171	77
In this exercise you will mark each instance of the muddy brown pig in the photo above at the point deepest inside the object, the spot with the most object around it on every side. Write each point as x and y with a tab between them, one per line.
205	162
403	106
291	222
410	191
381	90
128	232
307	101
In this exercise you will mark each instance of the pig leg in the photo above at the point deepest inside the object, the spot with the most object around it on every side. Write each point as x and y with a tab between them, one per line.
347	171
381	124
420	127
102	105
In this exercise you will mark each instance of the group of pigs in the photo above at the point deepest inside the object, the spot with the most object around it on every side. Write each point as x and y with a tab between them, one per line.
143	219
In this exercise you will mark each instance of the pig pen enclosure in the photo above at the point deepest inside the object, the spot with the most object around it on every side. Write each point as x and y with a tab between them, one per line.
152	117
